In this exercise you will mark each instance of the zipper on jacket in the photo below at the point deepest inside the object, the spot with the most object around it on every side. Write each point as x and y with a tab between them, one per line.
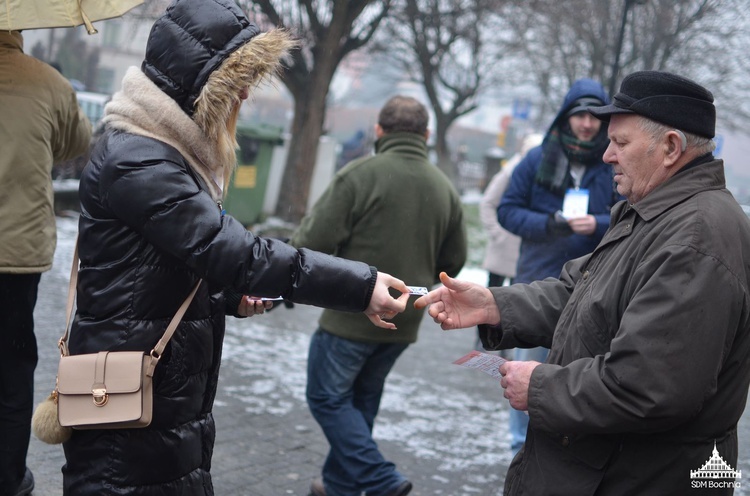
221	208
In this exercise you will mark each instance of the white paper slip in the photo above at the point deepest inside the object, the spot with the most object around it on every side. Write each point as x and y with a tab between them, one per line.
417	290
489	364
576	203
276	298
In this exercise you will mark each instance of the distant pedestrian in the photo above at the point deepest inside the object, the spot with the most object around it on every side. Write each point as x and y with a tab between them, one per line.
648	373
395	210
501	252
152	225
41	124
568	165
356	146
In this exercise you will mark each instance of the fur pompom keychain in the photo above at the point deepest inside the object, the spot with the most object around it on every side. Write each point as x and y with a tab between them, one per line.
45	424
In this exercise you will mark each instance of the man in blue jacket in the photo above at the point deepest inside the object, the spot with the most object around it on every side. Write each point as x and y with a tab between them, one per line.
558	202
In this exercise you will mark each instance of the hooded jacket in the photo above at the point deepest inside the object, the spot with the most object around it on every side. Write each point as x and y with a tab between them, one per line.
526	205
152	225
41	125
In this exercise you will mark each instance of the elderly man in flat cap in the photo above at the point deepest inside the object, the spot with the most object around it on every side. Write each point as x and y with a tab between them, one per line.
648	371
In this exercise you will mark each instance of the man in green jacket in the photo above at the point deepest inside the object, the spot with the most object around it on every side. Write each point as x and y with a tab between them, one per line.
397	211
41	124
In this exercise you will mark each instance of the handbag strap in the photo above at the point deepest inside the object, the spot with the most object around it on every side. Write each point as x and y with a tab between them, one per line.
160	345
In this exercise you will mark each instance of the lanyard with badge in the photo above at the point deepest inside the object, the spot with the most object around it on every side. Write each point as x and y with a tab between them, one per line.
576	202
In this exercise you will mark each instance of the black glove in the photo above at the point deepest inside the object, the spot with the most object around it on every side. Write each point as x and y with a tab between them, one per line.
558	226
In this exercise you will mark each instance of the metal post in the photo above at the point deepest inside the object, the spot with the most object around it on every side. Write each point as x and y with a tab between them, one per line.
618	49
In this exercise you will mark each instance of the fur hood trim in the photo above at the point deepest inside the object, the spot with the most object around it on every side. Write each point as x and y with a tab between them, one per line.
142	108
248	66
205	141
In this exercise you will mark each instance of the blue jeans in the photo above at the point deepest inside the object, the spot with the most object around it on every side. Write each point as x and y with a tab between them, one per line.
519	421
344	385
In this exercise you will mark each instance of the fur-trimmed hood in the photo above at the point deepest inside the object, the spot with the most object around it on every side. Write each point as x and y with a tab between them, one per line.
200	56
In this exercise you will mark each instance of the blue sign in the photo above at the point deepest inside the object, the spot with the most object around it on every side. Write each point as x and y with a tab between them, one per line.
521	108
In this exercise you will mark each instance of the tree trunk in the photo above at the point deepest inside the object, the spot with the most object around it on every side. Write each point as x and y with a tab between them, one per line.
307	127
445	161
308	78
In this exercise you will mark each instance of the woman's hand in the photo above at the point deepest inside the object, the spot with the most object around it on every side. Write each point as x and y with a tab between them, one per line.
250	305
382	305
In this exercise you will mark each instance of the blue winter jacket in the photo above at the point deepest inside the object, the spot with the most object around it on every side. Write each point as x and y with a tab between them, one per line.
526	205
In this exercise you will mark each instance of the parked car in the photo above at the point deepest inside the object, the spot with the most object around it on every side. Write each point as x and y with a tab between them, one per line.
93	105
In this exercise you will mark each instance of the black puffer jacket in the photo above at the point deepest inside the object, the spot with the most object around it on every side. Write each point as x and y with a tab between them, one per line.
150	228
147	233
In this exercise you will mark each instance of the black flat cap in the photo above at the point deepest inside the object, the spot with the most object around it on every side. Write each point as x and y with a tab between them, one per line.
666	98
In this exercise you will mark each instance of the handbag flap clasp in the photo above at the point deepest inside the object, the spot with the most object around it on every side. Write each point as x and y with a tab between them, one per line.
99	388
100	374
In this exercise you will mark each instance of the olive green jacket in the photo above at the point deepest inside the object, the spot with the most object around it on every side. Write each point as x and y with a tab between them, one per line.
41	124
396	211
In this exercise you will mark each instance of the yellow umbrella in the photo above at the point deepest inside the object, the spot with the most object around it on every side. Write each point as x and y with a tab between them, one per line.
35	14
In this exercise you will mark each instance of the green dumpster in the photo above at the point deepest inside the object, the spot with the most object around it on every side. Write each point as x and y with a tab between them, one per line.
247	190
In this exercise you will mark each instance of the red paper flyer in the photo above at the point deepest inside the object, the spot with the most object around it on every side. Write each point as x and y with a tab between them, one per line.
489	364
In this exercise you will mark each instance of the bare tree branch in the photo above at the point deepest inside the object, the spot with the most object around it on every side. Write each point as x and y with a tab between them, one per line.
441	45
329	31
359	40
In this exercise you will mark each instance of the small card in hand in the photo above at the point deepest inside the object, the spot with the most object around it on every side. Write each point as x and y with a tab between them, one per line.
489	364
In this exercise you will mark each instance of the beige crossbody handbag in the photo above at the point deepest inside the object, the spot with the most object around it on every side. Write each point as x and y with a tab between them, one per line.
105	390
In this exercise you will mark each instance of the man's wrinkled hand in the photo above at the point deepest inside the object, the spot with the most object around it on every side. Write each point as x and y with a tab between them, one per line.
516	377
459	304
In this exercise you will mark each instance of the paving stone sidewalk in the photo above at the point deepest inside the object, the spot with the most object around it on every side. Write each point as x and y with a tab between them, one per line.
443	426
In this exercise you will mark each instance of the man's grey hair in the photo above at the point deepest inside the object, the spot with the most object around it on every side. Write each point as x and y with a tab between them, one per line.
656	130
405	115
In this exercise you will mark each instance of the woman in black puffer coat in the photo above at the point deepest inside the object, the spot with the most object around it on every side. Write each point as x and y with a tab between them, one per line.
152	225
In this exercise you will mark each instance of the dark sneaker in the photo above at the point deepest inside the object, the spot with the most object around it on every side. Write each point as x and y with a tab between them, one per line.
402	490
317	488
27	484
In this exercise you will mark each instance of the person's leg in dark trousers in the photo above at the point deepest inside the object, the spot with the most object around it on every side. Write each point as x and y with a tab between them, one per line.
18	359
345	384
